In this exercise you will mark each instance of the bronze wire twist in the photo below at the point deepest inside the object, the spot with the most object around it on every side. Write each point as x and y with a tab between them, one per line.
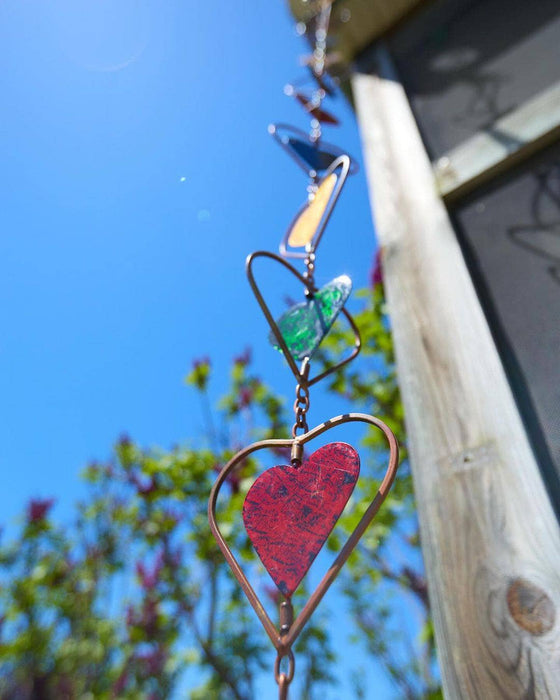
274	326
284	639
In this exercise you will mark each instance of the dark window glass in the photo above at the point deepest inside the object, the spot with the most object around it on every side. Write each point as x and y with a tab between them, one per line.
465	63
510	234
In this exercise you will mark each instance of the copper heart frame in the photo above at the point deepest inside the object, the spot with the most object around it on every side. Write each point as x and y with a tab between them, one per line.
300	375
284	638
342	164
281	133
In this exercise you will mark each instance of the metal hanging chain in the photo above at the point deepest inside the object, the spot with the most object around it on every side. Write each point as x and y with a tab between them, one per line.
301	404
321	31
309	274
318	63
284	679
302	400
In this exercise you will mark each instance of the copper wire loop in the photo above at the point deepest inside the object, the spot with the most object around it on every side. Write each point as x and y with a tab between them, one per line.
284	638
291	667
284	642
298	374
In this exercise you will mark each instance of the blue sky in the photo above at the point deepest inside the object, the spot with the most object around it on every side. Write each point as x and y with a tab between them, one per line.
137	174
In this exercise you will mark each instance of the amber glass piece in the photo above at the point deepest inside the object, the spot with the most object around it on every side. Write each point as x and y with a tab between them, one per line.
308	221
304	326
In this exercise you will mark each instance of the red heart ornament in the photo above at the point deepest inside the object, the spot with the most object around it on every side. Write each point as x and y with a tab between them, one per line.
290	511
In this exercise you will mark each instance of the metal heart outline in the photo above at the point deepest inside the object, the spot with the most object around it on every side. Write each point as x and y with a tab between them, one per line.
298	374
283	643
341	163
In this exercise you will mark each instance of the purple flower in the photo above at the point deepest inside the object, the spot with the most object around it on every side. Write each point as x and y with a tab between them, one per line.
245	397
145	487
153	661
38	509
377	272
273	594
150	617
200	373
130	616
177	556
120	683
201	362
149	579
146	617
234	481
245	358
125	441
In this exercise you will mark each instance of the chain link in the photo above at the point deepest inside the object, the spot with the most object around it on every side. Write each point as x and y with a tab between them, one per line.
309	274
301	406
279	675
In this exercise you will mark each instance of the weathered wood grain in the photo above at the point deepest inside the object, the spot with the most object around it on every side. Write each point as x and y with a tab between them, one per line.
490	539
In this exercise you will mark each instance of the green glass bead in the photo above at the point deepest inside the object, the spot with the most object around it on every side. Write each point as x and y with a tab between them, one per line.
304	326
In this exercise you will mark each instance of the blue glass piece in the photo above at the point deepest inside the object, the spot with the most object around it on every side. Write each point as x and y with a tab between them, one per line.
317	159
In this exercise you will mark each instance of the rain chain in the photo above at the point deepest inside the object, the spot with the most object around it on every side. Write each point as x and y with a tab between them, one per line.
290	510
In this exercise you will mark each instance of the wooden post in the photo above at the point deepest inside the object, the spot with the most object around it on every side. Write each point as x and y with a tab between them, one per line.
490	538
